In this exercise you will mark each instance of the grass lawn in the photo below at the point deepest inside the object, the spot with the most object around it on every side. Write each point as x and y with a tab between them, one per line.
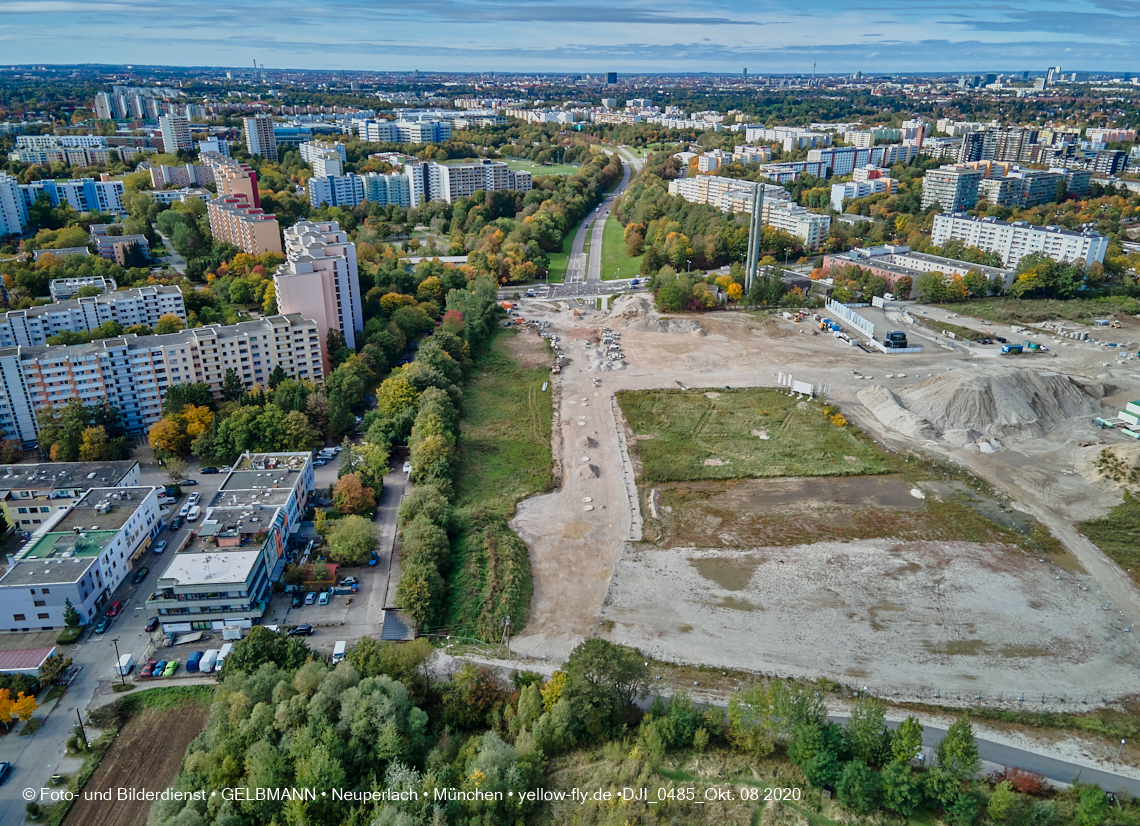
613	252
1118	535
693	436
504	456
559	261
1031	311
517	164
956	329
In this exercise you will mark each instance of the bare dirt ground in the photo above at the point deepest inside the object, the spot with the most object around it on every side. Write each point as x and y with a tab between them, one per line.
963	622
145	756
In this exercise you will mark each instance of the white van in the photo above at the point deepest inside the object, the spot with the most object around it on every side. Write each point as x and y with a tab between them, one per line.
209	661
338	651
194	513
223	652
125	664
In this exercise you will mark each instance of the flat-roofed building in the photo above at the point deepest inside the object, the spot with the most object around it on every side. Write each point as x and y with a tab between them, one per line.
30	494
1013	241
81	554
260	138
62	289
234	179
141	305
247	227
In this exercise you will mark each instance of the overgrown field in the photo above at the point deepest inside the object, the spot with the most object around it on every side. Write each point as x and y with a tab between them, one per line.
957	329
1118	535
504	454
1018	311
750	432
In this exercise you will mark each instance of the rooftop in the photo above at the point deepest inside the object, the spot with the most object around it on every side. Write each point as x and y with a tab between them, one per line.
105	298
104	509
21	660
67	544
209	567
61	475
1051	228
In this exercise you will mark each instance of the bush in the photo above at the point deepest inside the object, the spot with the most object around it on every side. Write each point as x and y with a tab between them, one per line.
69	636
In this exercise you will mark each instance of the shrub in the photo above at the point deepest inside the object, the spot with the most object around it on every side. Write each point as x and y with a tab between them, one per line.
69	636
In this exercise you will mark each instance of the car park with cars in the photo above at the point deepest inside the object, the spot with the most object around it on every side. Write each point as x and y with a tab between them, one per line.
171	667
310	598
324	598
148	669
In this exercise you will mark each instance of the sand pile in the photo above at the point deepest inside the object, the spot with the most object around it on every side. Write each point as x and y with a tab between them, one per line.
586	441
636	312
965	407
588	472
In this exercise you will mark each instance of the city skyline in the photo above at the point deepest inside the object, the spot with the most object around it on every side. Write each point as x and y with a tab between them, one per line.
713	36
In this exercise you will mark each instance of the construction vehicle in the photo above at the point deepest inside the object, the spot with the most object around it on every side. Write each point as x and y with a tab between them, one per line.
895	340
1011	349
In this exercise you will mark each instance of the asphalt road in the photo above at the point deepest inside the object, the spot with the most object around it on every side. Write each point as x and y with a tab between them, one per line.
172	258
582	268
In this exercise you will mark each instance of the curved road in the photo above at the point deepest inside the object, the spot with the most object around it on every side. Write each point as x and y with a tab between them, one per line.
581	269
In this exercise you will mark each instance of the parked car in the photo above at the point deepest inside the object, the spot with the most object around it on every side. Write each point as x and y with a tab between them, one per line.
115	609
1001	340
194	513
301	631
320	462
171	667
194	497
185	511
158	668
187	483
374	559
296	602
5	770
310	598
206	471
152	624
224	469
324	599
176	523
148	669
140	575
407	467
351	581
160	546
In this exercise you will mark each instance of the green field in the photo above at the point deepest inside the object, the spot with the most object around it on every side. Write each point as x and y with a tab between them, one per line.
535	169
1118	535
687	428
613	253
1032	311
559	261
504	456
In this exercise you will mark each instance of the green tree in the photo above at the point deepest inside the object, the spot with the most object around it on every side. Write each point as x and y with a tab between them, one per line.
604	681
262	646
902	793
1092	810
858	787
958	751
232	388
276	377
352	540
867	732
71	616
907	741
1000	801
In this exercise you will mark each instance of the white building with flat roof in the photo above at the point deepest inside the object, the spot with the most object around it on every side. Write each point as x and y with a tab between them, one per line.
1013	241
141	305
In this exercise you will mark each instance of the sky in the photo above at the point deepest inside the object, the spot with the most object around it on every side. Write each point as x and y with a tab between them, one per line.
591	36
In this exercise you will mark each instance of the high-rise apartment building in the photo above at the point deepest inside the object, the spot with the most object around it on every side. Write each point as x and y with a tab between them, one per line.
13	208
404	131
84	194
392	188
340	190
449	182
142	305
320	280
259	138
1013	241
954	188
234	221
234	179
175	133
132	373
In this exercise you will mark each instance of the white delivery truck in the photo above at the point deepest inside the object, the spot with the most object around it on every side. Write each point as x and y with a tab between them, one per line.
209	661
231	632
222	652
125	664
194	513
338	651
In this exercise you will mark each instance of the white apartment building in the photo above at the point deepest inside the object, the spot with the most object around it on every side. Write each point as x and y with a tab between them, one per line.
142	305
790	137
311	149
404	131
798	221
84	194
82	554
449	182
1015	240
726	194
340	190
162	176
327	159
216	146
32	493
13	208
175	133
259	137
62	289
846	159
392	188
320	280
132	373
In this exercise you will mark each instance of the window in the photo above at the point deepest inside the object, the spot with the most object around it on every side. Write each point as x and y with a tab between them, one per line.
18	617
41	616
39	603
46	591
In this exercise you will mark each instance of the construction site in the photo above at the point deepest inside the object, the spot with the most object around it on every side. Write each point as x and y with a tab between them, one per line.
749	491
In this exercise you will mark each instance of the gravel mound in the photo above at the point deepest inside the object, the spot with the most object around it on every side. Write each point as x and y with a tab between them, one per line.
965	407
636	312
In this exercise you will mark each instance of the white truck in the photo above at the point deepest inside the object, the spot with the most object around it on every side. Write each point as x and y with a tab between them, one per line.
209	661
231	632
338	651
125	664
222	653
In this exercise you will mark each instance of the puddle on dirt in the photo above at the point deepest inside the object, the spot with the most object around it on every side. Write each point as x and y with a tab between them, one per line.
576	530
736	604
730	574
987	506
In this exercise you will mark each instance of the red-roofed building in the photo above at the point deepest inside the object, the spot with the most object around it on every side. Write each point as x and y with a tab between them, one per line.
24	660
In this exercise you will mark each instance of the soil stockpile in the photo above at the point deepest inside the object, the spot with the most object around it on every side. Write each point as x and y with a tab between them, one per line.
636	312
966	405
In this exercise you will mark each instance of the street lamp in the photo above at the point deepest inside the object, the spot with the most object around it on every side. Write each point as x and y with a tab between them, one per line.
1118	750
118	662
688	264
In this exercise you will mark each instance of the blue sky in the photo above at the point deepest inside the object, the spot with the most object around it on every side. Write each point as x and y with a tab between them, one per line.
590	36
